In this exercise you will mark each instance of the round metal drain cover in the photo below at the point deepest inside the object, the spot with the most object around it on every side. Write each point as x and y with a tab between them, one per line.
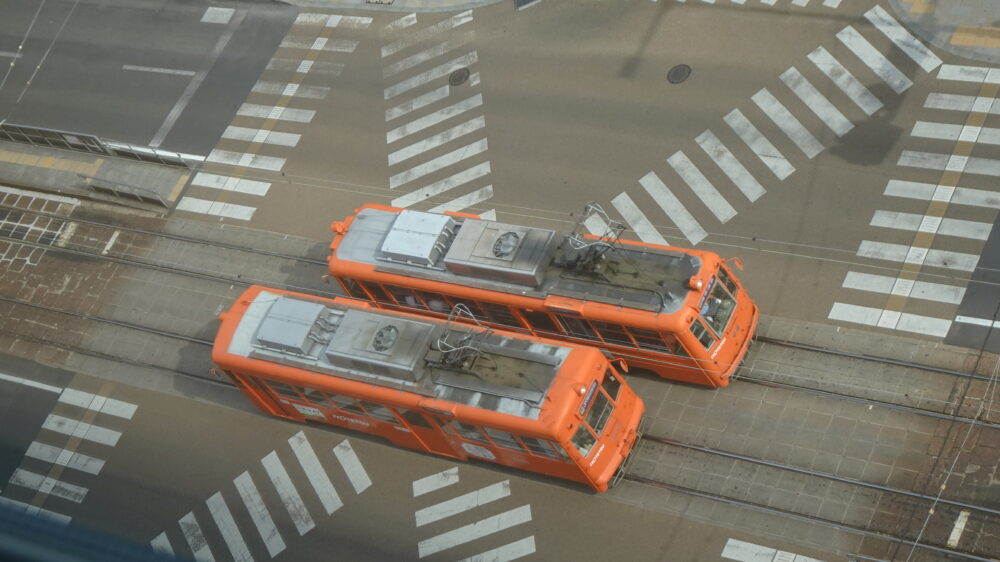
459	76
679	74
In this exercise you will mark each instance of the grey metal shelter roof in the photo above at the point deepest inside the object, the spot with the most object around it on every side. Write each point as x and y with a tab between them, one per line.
429	357
517	259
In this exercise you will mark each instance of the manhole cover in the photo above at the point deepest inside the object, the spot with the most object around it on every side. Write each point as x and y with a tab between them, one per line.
679	74
459	76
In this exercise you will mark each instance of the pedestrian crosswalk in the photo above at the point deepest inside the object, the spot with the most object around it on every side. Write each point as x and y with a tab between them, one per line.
271	525
318	44
59	464
957	127
489	505
744	146
831	4
435	127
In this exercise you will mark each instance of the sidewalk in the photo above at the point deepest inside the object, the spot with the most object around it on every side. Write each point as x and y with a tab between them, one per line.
967	28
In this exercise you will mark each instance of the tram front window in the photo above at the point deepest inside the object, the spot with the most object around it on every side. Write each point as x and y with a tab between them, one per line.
718	308
593	424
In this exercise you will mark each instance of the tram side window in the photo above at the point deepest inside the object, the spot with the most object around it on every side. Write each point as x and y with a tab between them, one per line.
470	432
284	389
540	447
315	396
540	321
471	305
376	291
352	288
414	418
405	297
435	301
649	339
379	411
702	334
583	440
576	327
504	439
345	403
612	333
500	314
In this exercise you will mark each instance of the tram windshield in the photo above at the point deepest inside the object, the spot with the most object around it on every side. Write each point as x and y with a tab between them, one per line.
718	307
593	423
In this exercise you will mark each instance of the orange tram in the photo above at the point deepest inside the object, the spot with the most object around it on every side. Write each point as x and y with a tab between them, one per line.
677	312
444	387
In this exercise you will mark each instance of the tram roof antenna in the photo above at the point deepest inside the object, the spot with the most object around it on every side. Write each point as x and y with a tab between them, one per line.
469	345
587	253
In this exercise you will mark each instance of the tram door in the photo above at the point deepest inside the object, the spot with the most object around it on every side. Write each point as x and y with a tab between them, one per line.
427	430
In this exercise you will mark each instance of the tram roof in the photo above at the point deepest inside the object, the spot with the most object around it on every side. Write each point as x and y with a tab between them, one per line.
517	259
451	362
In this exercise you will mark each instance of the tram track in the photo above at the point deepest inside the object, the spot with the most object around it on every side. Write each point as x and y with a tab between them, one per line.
874	498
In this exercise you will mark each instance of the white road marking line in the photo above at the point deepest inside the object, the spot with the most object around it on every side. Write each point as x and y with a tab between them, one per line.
422	100
439	187
984	322
954	102
465	201
259	514
701	187
158	70
510	551
729	165
195	538
437	481
874	59
31	383
888	285
672	206
595	225
956	531
276	112
428	54
50	486
935	161
425	33
831	3
935	225
33	510
111	242
319	44
439	71
962	73
438	163
262	136
463	503
473	531
215	208
949	194
246	160
846	81
227	183
63	457
816	101
290	89
215	14
950	132
333	20
903	39
315	472
921	256
227	528
759	144
401	23
432	119
162	544
787	122
87	400
868	316
437	140
749	552
86	431
637	221
289	495
352	466
305	66
10	55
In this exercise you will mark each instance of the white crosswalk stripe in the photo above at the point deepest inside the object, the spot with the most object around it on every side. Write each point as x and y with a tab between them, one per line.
510	551
352	466
701	187
759	144
442	186
215	208
901	253
882	318
162	544
46	485
912	222
426	33
427	76
734	170
673	208
315	472
435	482
465	201
64	457
903	39
438	163
289	495
887	285
463	503
851	86
276	112
97	403
473	531
816	101
975	74
952	195
439	139
957	102
226	525
434	118
951	132
262	136
52	516
950	162
874	59
319	44
74	428
228	183
787	122
259	514
635	218
431	53
290	89
195	538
